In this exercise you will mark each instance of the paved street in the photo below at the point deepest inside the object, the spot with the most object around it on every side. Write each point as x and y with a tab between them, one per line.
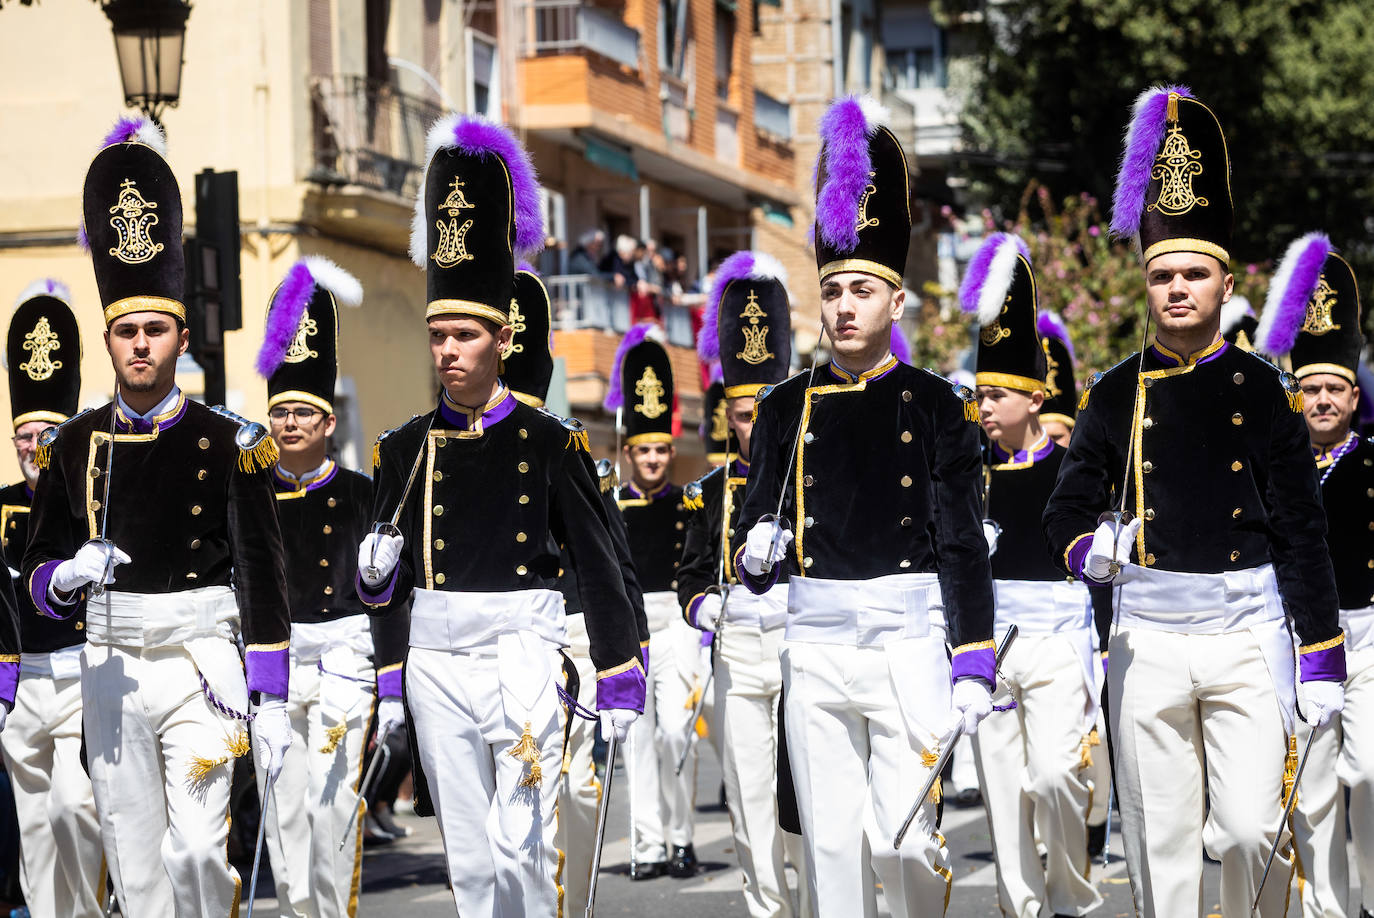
408	877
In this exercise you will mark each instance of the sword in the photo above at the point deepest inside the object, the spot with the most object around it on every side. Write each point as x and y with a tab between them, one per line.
1287	812
634	863
1107	840
98	590
383	754
389	528
257	848
1121	516
701	702
948	748
776	517
603	808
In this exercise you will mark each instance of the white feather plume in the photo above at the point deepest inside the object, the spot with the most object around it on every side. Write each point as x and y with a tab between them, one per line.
766	266
1000	273
875	113
1235	309
44	286
345	287
440	135
151	134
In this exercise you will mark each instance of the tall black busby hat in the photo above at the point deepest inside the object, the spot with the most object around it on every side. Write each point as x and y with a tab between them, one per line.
999	290
529	360
1061	391
300	347
1312	311
715	425
43	355
1173	190
863	193
642	384
131	222
747	323
477	213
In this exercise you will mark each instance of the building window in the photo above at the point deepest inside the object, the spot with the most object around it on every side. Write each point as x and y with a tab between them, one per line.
484	75
725	50
915	50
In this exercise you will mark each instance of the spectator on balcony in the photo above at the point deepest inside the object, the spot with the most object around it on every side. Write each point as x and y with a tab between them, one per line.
619	265
586	258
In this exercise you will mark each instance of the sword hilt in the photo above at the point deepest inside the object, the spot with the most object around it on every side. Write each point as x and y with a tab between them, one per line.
371	572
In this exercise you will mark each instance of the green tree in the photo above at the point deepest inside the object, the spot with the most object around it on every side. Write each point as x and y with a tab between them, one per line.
1051	83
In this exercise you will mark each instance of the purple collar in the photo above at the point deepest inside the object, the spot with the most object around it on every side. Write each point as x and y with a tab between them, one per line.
172	409
883	367
1207	354
637	494
459	417
320	477
1039	450
741	468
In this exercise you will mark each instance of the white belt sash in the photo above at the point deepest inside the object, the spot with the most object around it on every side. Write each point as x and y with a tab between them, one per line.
1052	607
661	609
767	612
59	664
342	650
520	628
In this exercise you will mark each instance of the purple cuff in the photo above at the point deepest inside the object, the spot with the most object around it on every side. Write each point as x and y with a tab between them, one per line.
381	598
9	679
980	663
1077	556
757	584
624	690
691	611
389	683
268	671
644	655
1323	665
38	590
707	637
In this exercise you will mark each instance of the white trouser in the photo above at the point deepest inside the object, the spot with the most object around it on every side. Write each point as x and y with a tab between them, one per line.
1342	754
160	754
1099	773
579	791
867	687
62	873
663	801
747	686
1199	719
480	683
1031	768
315	797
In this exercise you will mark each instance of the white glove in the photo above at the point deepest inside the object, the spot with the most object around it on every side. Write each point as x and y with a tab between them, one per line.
990	532
388	552
616	722
1103	554
973	701
1324	701
757	558
87	567
391	715
272	727
708	611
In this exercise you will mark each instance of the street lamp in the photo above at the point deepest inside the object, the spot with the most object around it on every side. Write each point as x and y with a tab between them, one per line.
148	38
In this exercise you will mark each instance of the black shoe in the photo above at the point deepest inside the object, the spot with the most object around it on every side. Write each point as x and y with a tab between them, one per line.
648	871
683	863
1097	840
968	797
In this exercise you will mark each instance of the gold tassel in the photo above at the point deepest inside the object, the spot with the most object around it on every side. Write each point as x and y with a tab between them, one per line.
259	458
937	791
703	730
1295	401
694	697
1085	753
534	779
1290	770
200	768
528	752
971	410
238	744
578	439
377	453
332	737
43	456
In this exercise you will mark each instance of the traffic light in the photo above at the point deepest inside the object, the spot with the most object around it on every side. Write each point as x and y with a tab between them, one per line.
214	297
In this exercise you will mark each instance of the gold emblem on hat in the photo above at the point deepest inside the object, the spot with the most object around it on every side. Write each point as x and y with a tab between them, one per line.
993	331
452	249
299	349
651	392
720	423
755	335
41	342
1317	319
865	221
1052	389
1176	165
132	220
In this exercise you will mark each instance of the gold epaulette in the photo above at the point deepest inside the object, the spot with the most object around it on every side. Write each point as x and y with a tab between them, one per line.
42	456
605	475
260	458
1087	388
1293	389
970	402
377	446
759	396
693	497
577	435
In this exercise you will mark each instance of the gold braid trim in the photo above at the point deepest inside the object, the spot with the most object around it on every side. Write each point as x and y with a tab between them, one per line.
332	737
260	458
528	752
235	746
1336	641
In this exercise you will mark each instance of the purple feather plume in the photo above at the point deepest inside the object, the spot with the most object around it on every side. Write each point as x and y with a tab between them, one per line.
478	137
977	274
1143	136
715	373
1050	325
523	265
83	242
1285	305
284	315
615	395
124	129
900	347
844	133
738	266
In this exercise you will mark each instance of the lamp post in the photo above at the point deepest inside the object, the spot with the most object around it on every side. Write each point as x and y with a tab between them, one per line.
149	35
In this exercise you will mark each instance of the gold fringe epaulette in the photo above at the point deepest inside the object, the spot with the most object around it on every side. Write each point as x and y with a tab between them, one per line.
606	476
377	454
235	746
42	457
260	458
1085	748
527	751
759	396
693	496
937	791
1293	389
332	737
970	401
1087	388
578	439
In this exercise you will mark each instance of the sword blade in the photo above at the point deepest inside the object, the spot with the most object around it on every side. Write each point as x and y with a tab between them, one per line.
603	808
1287	812
257	848
383	753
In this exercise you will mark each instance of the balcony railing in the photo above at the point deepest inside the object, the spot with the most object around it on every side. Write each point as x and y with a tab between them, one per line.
772	116
561	26
591	301
368	133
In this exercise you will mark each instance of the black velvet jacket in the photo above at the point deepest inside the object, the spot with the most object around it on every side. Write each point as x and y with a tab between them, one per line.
1222	475
498	491
1348	494
887	480
37	633
1018	488
657	525
572	596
